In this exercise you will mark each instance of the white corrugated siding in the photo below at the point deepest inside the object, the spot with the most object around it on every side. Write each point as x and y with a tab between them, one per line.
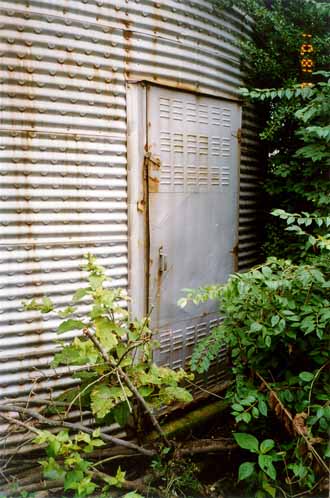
64	65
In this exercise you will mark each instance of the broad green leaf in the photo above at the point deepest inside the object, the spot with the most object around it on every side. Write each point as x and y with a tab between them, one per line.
103	328
259	494
86	487
53	447
308	324
70	324
43	437
298	469
104	398
47	305
270	489
96	311
274	320
72	479
63	436
255	412
97	432
79	352
121	413
80	293
288	395
246	441
176	394
266	445
266	464
268	341
245	470
96	281
237	407
288	93
116	480
120	475
267	272
83	436
44	306
67	311
246	417
320	412
263	409
248	400
306	376
145	391
52	470
255	327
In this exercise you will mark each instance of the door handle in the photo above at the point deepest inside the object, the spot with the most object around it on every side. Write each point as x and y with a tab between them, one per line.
162	261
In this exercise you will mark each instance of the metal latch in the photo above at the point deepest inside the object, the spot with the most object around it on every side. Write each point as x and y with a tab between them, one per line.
162	261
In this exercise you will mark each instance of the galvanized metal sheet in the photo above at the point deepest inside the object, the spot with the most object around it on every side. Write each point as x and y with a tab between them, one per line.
63	156
193	210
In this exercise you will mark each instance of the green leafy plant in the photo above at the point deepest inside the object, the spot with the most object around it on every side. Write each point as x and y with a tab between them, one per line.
118	382
296	137
276	325
266	456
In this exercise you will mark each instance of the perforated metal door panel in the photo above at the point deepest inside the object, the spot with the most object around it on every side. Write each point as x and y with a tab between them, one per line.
193	210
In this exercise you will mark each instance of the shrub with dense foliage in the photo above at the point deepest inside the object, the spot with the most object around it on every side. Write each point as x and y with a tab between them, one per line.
276	317
294	118
118	383
277	329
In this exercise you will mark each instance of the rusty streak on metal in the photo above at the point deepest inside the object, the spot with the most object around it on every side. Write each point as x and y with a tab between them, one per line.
152	165
234	252
239	136
147	230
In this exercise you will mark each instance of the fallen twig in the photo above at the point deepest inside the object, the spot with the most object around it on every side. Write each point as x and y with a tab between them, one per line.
296	426
136	485
205	446
69	425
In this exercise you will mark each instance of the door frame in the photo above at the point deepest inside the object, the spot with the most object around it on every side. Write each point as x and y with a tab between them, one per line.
137	191
137	199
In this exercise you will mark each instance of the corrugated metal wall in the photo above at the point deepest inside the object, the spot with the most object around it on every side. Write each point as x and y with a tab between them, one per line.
64	65
250	202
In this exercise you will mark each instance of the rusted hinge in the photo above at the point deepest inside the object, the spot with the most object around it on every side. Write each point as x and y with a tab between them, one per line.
151	164
151	171
149	158
239	135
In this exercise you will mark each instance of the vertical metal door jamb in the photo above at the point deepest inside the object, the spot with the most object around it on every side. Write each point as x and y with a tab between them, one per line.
235	250
147	207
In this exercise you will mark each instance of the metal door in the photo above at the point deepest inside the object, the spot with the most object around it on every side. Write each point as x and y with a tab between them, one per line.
192	169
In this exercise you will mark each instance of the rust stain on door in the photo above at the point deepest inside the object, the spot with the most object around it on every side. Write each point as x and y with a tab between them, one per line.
152	165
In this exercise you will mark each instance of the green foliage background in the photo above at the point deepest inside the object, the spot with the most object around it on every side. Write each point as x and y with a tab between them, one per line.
271	59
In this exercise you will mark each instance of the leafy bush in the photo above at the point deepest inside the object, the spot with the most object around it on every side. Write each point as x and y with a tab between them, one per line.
118	383
297	137
276	325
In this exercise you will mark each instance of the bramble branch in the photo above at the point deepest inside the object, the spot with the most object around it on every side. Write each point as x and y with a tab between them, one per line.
128	383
